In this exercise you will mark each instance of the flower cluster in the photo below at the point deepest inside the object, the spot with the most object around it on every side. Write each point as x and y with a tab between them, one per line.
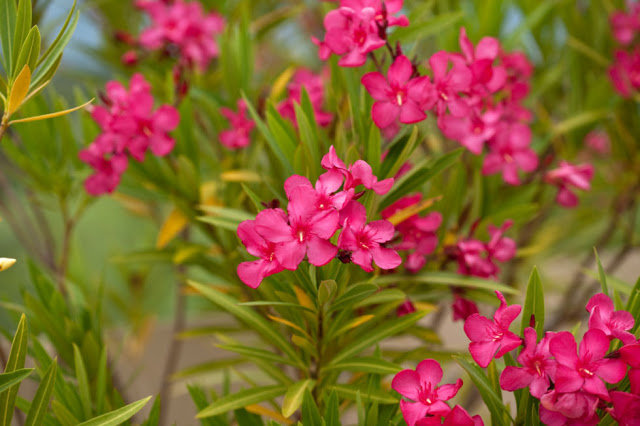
181	28
130	127
475	95
478	258
237	136
567	176
625	71
358	27
314	214
429	406
568	379
417	234
313	84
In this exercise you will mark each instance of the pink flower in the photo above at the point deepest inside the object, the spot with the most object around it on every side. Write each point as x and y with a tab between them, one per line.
184	25
463	308
314	86
491	339
613	324
458	416
324	195
626	25
129	127
405	308
625	72
509	151
422	387
630	354
472	130
480	61
447	85
537	366
598	141
252	273
359	173
357	28
238	135
587	370
626	408
478	259
566	176
307	232
363	239
418	233
568	409
400	95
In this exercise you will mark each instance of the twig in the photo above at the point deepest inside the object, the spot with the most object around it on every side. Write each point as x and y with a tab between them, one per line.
175	347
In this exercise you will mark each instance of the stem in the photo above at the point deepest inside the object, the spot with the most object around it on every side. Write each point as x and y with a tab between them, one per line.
175	347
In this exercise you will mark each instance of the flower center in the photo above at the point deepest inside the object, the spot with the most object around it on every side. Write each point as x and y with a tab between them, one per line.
584	372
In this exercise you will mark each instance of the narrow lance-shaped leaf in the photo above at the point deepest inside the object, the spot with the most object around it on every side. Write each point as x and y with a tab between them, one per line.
310	413
40	403
15	362
9	379
119	416
51	115
7	31
601	273
30	50
19	90
293	398
23	24
242	399
83	382
533	312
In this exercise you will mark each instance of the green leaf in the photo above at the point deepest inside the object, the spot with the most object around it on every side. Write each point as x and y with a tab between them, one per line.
101	381
483	384
9	379
154	415
7	32
63	414
119	416
332	410
533	19
310	412
534	305
420	175
366	365
603	276
283	304
428	27
40	403
376	395
30	50
390	328
256	353
255	200
353	295
579	120
83	382
23	24
447	279
15	362
249	317
293	398
242	399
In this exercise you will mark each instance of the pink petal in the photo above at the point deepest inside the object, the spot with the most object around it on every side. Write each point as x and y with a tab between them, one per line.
595	386
483	352
384	113
252	273
295	181
407	384
430	372
595	344
567	379
385	258
355	213
271	225
611	370
476	327
566	198
563	347
320	251
376	85
383	230
487	48
383	186
439	62
603	301
290	254
400	71
411	113
166	118
412	411
363	259
446	392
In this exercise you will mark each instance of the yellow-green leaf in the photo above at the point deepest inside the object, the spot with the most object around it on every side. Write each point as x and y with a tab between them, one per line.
293	398
241	399
172	226
6	263
19	90
353	324
52	115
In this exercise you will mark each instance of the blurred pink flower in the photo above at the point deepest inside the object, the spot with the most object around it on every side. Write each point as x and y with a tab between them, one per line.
314	86
405	308
184	25
625	25
492	339
598	141
589	369
509	152
480	59
625	72
129	127
447	85
241	125
567	176
477	258
463	308
538	367
422	387
568	409
398	95
359	173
